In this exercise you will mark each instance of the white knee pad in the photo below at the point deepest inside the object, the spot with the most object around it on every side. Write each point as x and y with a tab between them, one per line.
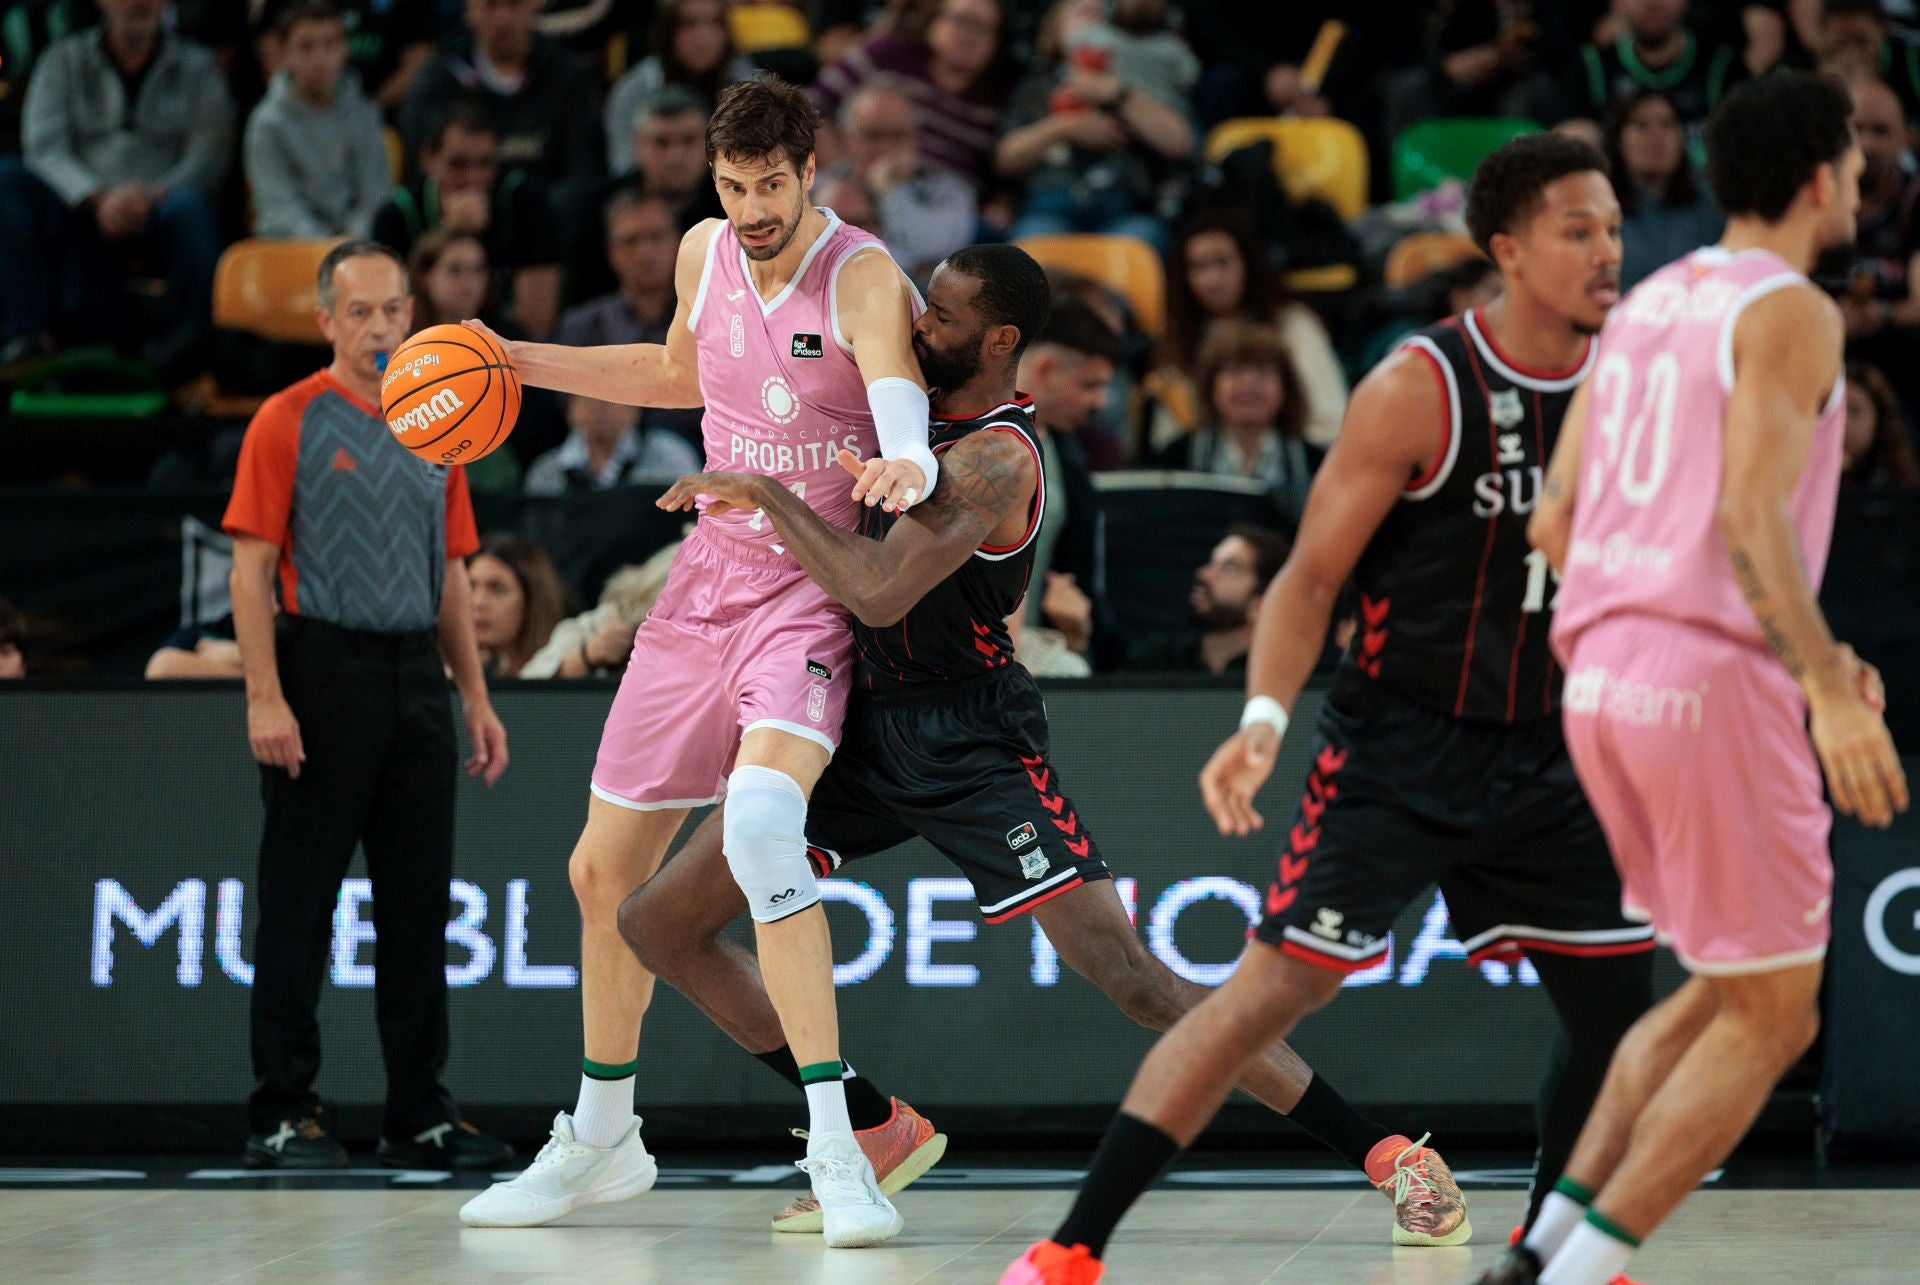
765	839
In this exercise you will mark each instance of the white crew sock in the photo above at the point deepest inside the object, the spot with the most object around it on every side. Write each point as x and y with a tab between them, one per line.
1559	1215
827	1108
604	1111
1590	1257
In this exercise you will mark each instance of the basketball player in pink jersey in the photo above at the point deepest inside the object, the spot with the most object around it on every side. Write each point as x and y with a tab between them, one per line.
1689	508
795	332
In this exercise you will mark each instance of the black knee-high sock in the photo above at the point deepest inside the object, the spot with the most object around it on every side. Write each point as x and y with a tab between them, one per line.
1597	999
1329	1117
1131	1156
867	1107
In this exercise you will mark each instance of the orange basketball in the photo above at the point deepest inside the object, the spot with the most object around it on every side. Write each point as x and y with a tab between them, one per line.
451	395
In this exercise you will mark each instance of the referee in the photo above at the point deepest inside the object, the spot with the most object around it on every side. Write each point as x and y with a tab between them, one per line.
347	712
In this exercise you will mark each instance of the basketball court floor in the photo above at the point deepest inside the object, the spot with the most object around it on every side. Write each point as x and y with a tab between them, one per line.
149	1224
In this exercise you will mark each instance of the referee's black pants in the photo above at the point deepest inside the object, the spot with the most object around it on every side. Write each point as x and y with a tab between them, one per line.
377	727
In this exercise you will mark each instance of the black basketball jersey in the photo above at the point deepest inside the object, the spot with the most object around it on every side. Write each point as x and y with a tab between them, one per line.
1453	603
959	628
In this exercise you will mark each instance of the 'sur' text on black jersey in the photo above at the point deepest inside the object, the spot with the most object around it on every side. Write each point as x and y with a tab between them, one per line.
1453	604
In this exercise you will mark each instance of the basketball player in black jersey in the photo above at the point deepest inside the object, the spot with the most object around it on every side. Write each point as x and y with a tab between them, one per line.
947	738
1439	755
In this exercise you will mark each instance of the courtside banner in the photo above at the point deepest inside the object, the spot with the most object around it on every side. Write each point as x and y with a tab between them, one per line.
1870	1078
129	822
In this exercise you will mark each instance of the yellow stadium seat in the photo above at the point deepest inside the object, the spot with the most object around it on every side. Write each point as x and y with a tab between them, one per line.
1328	278
266	288
396	154
1312	156
763	26
1123	263
1419	253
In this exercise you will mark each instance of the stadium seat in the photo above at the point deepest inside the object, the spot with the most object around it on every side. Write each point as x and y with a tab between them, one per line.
759	27
1419	253
1428	154
396	155
266	288
1328	278
1322	157
1123	263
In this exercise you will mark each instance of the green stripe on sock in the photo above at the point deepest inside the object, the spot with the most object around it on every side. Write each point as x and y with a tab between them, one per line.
609	1070
1575	1192
1613	1228
815	1072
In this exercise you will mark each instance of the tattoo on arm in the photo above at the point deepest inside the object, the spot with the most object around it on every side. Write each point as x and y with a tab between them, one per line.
1756	595
981	486
1556	487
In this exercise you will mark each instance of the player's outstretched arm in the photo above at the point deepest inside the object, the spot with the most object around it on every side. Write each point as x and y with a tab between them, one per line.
1786	349
1392	428
1551	528
990	481
661	375
876	302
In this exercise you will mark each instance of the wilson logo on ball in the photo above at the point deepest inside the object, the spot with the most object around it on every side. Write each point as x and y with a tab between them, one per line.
451	395
439	406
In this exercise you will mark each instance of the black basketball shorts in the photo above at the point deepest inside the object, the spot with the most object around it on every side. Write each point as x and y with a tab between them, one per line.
963	765
1400	798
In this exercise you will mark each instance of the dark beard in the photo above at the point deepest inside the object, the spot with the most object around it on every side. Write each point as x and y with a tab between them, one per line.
1218	618
948	369
772	249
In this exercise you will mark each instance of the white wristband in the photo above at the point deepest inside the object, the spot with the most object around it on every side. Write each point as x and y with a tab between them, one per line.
1265	709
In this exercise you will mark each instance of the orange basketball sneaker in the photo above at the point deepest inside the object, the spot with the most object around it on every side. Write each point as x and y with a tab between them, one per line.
1428	1208
901	1150
1049	1263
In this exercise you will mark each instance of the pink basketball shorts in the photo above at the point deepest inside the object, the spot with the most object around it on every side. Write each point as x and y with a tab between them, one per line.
1693	750
740	639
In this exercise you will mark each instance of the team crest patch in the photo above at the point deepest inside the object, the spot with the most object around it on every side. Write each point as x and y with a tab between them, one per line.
1021	835
737	336
778	401
1033	864
1504	406
809	346
816	703
819	670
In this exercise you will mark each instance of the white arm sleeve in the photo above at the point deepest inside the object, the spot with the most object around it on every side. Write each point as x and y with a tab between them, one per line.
900	416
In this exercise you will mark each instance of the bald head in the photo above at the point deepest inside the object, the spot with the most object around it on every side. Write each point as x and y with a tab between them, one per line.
1881	125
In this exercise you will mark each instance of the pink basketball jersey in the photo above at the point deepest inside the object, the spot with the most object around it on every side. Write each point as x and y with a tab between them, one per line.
783	395
1645	536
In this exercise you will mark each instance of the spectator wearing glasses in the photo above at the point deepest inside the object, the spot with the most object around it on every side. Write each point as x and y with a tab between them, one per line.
946	56
927	212
464	187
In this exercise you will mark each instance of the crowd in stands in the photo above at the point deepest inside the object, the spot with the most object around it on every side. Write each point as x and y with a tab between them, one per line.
536	164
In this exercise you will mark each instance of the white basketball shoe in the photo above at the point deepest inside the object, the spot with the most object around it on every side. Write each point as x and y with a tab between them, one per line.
564	1176
854	1212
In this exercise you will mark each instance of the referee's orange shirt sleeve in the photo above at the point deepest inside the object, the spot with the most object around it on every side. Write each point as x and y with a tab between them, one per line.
463	537
262	502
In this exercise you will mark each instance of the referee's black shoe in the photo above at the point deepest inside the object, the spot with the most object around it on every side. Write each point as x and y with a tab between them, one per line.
454	1145
1518	1266
295	1144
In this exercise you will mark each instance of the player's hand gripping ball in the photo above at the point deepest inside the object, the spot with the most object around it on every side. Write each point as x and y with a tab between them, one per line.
451	394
